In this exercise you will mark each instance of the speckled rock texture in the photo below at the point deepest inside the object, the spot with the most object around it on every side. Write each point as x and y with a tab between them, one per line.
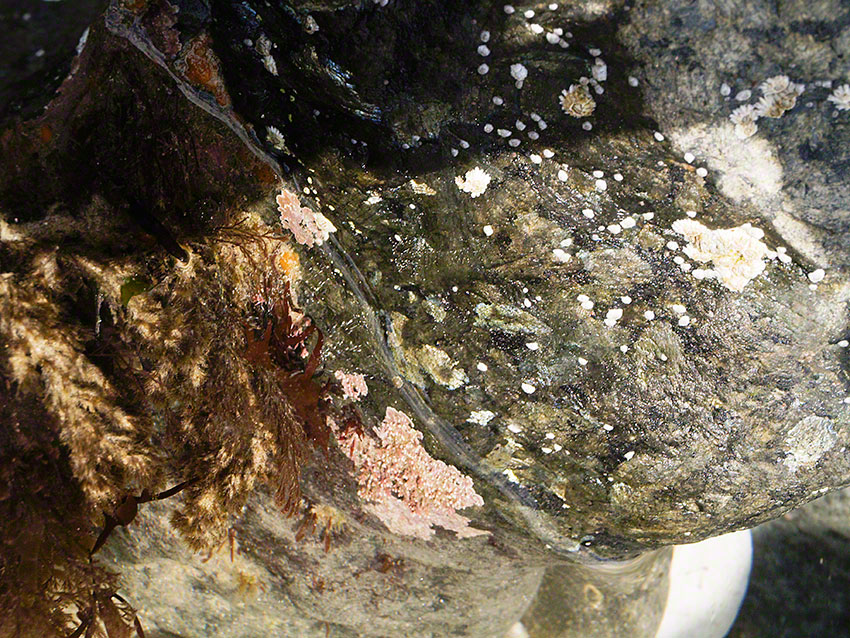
634	392
623	346
792	172
270	584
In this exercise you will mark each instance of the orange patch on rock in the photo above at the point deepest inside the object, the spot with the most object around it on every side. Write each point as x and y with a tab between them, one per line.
288	261
200	67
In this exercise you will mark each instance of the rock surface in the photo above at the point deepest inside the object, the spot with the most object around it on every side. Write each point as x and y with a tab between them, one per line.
791	173
622	347
530	300
268	583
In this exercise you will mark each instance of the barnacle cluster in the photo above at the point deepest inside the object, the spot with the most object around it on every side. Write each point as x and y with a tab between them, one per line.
779	95
841	97
577	101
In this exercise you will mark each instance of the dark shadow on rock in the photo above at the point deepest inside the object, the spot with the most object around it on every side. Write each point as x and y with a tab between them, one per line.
394	90
800	583
38	44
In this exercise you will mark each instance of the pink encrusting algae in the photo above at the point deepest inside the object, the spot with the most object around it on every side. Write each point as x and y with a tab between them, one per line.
408	489
353	384
308	227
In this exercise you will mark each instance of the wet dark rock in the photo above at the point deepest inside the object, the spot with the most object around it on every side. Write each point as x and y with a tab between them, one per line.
710	409
608	392
40	39
801	573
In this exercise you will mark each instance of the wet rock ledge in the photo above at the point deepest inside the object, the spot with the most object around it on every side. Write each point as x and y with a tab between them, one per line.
419	304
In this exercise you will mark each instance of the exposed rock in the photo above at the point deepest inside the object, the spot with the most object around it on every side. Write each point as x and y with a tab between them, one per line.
275	584
792	172
551	329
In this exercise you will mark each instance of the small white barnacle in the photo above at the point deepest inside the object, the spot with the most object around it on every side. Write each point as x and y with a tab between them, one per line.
780	85
481	417
775	106
613	316
744	118
577	101
474	182
780	95
816	276
519	73
275	138
841	97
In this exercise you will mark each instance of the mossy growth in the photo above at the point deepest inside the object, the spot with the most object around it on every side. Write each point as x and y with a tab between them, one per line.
207	376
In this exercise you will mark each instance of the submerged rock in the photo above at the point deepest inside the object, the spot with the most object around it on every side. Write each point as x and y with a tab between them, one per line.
598	337
643	377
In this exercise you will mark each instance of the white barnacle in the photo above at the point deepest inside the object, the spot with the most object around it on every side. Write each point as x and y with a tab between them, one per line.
577	101
613	316
474	182
773	106
841	97
780	95
480	417
599	70
780	84
744	118
519	73
275	138
816	276
561	255
737	253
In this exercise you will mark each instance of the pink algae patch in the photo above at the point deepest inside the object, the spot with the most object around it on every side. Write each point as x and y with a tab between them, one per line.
353	384
408	489
308	227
